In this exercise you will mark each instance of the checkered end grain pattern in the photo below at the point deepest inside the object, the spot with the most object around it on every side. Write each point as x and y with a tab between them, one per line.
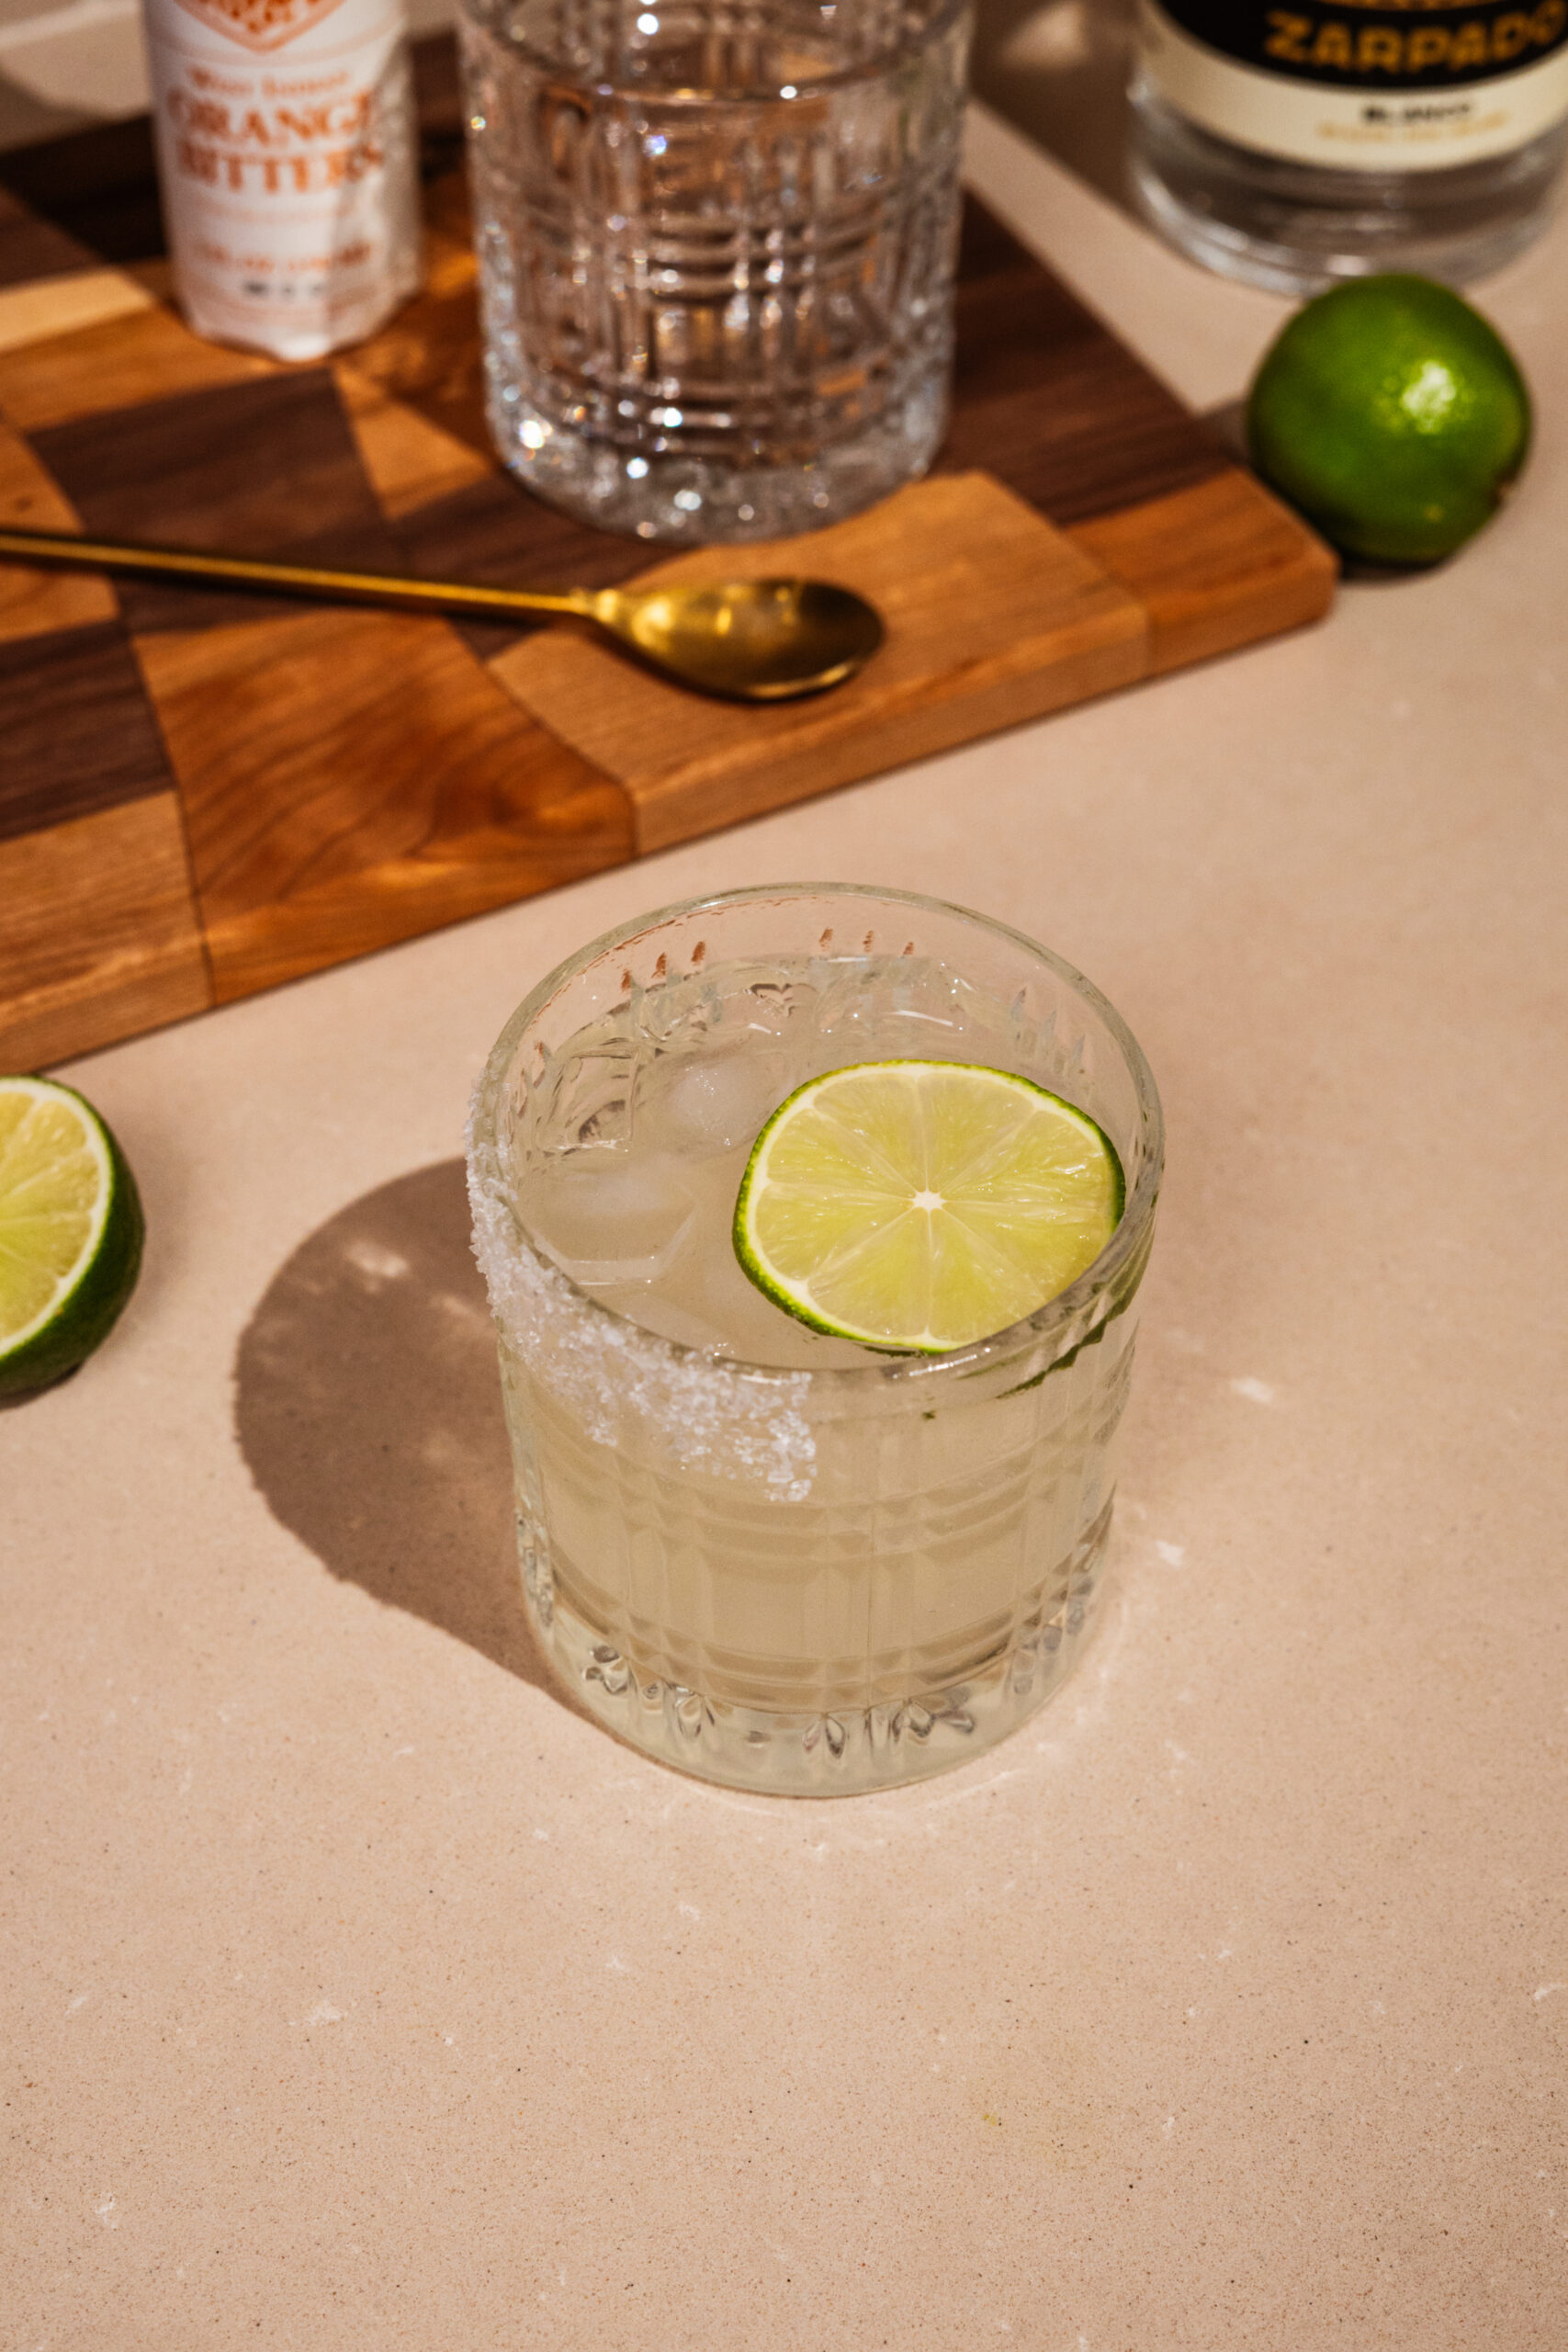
205	794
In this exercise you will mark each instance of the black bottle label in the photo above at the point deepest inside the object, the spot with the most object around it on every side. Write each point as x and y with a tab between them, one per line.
1363	84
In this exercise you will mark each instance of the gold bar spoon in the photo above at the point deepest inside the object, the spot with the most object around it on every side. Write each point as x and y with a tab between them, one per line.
750	641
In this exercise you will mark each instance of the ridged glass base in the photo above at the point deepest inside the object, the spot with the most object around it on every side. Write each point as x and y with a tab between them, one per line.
717	250
850	1751
1296	228
679	499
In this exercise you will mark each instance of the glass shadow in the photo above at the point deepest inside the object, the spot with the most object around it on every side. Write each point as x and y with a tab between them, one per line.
367	1408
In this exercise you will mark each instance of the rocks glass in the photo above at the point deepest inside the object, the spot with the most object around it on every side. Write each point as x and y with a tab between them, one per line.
780	1561
716	246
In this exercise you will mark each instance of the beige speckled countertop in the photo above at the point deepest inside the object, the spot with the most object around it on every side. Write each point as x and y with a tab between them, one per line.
357	1992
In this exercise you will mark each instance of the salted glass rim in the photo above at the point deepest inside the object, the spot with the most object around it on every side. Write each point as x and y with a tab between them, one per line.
867	69
1025	1337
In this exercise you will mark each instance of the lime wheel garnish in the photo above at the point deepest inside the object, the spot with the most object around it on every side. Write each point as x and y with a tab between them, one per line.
924	1205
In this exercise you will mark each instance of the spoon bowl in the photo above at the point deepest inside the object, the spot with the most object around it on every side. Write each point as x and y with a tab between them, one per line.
758	641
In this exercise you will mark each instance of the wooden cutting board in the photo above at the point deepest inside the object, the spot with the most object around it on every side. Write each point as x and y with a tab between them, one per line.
202	794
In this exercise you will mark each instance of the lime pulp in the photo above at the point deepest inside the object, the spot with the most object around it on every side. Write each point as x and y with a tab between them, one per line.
923	1206
70	1232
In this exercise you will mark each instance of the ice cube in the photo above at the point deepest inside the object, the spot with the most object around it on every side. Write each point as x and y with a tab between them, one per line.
753	1329
669	1318
678	1012
770	1001
699	1104
586	1102
609	1218
880	1007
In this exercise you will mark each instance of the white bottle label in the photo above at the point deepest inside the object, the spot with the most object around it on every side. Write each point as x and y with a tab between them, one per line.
286	157
1369	85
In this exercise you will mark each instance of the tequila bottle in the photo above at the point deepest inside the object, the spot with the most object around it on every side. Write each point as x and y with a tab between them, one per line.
1295	146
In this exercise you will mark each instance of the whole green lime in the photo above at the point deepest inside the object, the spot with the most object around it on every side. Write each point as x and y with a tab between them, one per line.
1393	416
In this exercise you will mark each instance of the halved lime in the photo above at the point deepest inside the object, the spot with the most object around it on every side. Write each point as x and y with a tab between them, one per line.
71	1231
923	1206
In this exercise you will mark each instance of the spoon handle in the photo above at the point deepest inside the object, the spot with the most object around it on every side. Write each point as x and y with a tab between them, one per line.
286	579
